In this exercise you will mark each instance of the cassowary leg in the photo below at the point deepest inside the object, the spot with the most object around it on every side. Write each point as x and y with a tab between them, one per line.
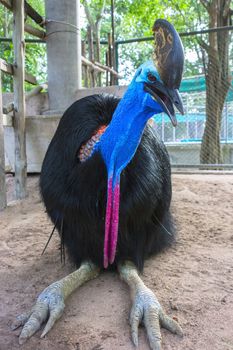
145	308
51	302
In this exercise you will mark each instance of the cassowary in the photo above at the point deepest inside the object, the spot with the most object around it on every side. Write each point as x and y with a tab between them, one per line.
106	186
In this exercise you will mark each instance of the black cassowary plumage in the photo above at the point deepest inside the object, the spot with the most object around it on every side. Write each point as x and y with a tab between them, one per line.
74	193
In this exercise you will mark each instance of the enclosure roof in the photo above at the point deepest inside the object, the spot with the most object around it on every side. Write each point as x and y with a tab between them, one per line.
197	84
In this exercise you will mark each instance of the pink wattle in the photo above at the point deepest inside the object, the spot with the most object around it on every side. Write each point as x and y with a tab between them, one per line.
111	223
114	223
108	224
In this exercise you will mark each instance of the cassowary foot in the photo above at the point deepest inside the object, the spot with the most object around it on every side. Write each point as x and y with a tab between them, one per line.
51	302
49	306
146	309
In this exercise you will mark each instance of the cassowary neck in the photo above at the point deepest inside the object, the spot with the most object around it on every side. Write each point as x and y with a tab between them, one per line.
117	146
132	108
123	134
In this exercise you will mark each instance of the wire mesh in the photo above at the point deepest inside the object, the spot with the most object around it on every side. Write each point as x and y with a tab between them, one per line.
204	134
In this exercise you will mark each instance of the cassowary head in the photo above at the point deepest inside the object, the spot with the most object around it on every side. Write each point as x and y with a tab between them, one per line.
154	89
157	96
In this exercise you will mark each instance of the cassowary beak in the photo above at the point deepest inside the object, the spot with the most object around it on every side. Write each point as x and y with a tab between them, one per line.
166	98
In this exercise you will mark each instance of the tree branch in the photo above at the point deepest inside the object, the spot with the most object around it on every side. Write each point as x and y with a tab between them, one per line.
100	15
211	51
177	6
226	9
203	45
88	14
206	4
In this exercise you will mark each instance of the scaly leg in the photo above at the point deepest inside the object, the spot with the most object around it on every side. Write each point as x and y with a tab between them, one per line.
51	302
145	308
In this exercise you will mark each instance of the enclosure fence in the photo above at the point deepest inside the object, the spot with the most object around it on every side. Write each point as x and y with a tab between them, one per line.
14	113
203	137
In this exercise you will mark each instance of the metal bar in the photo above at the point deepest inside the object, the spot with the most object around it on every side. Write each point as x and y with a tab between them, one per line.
36	41
205	31
195	32
133	40
128	41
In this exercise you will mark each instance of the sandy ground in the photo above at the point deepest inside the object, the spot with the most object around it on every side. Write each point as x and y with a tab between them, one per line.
193	280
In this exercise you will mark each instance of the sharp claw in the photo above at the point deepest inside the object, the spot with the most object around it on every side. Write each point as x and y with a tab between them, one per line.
151	321
146	306
22	340
134	339
32	326
156	346
28	330
49	303
135	318
170	324
20	321
55	314
15	326
45	331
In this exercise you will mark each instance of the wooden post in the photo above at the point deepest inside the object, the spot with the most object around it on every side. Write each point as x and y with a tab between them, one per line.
19	100
113	39
91	55
110	58
107	64
3	201
85	69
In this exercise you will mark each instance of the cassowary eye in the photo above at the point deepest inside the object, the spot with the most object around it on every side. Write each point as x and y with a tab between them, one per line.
151	77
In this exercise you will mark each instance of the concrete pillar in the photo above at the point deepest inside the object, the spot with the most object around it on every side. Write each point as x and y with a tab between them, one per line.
62	53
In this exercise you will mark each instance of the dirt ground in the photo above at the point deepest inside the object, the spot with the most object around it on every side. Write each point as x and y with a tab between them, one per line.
193	280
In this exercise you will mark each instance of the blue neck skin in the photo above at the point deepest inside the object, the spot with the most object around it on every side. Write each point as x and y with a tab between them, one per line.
119	142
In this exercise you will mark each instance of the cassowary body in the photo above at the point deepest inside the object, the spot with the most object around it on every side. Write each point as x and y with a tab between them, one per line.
75	192
106	185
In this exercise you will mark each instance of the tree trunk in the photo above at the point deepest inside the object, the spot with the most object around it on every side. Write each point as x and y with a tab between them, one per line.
94	23
217	81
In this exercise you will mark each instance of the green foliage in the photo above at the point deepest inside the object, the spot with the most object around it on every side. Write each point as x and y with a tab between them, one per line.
35	54
133	18
138	20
